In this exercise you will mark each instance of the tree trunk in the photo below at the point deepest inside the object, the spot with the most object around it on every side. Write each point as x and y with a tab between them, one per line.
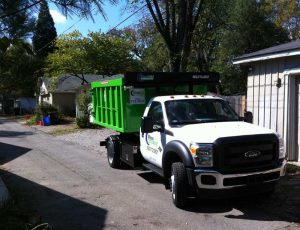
176	22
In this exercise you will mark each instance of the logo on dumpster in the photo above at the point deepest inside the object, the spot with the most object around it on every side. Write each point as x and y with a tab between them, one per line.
137	96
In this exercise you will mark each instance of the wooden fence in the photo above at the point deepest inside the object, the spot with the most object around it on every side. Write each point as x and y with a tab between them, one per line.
238	103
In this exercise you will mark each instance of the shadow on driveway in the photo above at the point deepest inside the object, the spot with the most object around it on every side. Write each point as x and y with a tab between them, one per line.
59	210
283	205
14	133
10	152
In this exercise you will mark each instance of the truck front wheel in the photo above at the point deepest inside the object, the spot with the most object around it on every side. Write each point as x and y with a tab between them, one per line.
113	156
179	185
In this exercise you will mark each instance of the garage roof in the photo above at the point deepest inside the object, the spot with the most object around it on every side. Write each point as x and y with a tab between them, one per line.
283	50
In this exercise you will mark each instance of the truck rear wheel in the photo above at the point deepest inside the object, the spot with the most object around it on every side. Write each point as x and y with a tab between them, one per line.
113	155
178	183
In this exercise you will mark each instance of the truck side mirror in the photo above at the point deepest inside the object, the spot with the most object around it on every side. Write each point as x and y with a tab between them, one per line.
248	117
147	125
159	126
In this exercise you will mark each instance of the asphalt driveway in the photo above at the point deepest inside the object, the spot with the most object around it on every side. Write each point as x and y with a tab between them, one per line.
72	187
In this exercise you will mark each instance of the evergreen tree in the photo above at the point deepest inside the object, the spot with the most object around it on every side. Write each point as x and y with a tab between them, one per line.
44	33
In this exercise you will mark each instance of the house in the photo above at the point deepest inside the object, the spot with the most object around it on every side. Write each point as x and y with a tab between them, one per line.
65	93
273	91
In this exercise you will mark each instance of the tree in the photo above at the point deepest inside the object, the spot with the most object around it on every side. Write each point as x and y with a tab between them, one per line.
207	35
248	30
44	32
70	57
17	70
83	8
147	45
16	26
176	22
284	14
97	53
110	55
21	69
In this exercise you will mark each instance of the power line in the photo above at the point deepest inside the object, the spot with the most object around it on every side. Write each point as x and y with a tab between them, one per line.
20	10
135	12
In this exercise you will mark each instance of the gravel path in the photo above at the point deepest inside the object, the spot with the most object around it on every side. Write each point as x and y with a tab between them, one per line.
89	138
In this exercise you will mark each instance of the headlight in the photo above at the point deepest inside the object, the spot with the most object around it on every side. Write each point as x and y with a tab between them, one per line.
202	154
281	147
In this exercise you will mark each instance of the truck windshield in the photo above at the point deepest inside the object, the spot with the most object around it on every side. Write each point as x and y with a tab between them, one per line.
191	111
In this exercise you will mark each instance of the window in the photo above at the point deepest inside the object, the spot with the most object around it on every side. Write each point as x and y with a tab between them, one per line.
191	111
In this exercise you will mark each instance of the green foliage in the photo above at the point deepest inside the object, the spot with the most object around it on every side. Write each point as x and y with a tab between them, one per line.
17	25
44	109
44	32
97	53
155	57
70	57
247	30
207	35
84	99
82	8
284	14
109	55
148	46
32	120
82	122
18	69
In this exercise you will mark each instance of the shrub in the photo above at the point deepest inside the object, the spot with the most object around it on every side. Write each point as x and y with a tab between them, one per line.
83	122
32	120
83	100
44	110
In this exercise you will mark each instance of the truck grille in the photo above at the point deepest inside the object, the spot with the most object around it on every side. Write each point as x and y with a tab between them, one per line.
246	153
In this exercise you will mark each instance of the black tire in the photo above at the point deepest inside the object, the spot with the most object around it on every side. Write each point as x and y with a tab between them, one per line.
179	185
113	155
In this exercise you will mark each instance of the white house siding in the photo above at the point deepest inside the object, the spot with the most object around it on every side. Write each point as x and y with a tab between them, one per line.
270	105
264	99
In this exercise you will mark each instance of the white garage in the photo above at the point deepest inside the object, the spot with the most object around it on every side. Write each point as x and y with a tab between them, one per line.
273	91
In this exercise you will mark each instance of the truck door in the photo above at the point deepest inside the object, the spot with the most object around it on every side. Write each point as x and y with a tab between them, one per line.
152	143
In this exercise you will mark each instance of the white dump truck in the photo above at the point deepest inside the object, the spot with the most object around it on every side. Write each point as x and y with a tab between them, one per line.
197	143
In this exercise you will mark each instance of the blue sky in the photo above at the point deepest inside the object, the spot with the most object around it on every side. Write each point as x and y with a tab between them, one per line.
115	14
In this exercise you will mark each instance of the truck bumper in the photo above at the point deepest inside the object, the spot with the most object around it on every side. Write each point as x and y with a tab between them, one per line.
213	180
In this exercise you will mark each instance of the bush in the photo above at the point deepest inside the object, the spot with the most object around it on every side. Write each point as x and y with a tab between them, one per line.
83	122
44	110
84	99
32	120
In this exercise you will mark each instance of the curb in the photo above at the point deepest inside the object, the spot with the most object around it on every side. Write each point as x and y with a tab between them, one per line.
4	194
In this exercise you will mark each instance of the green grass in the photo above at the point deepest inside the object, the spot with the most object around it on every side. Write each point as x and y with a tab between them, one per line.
60	132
